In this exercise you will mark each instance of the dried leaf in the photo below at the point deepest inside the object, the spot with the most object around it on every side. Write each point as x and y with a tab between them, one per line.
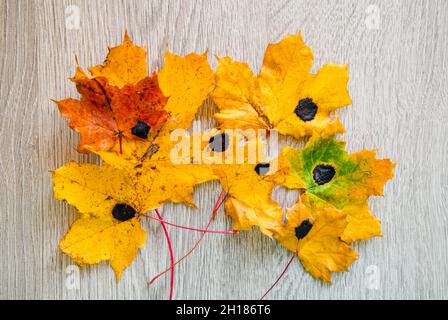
332	178
124	64
248	184
285	96
119	104
96	191
123	109
315	237
105	114
187	81
97	236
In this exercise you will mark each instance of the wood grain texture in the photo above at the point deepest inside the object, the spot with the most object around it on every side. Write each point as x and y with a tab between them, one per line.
399	76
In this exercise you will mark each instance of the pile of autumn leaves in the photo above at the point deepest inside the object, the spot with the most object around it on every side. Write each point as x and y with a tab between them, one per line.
126	117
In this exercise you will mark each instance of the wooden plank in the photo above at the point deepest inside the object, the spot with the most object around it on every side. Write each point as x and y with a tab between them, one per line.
399	76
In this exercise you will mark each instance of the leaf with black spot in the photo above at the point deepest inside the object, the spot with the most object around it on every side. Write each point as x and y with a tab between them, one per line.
302	230
323	173
314	235
330	177
112	98
141	129
123	212
306	109
285	96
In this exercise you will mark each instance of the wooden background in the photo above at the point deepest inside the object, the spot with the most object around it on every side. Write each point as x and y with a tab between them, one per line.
399	77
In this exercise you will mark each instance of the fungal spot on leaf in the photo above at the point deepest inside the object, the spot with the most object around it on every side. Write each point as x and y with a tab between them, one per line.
306	109
303	229
123	212
141	129
323	173
262	168
219	143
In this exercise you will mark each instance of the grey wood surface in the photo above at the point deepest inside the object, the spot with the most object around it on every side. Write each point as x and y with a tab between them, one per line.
398	82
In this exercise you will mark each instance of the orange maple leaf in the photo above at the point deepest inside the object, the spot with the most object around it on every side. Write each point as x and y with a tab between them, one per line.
110	109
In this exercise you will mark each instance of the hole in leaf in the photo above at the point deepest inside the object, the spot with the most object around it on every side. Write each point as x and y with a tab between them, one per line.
285	197
262	168
219	143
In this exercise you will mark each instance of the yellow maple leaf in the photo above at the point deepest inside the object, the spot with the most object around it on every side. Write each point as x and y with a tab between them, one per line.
331	177
315	236
97	235
99	191
247	180
187	81
163	180
124	64
285	96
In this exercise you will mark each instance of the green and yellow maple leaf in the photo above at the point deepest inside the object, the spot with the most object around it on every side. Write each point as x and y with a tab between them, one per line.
330	177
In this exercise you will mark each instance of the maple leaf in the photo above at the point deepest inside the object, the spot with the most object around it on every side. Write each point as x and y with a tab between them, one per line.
331	177
285	96
124	64
111	199
315	237
248	183
134	112
163	180
120	102
109	203
187	81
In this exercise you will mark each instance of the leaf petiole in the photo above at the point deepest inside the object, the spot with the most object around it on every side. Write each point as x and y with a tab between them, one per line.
187	228
278	279
170	248
217	205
